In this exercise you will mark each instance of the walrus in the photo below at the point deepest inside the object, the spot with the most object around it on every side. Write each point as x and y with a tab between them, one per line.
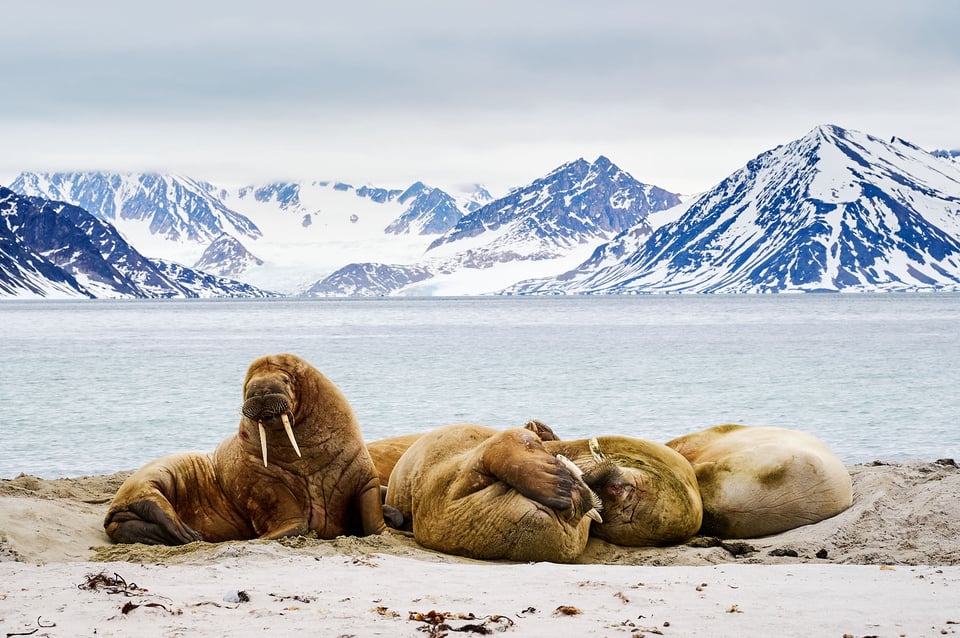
475	491
297	464
386	452
653	500
757	481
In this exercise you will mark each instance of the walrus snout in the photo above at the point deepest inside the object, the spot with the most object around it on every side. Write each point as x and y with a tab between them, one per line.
265	406
265	403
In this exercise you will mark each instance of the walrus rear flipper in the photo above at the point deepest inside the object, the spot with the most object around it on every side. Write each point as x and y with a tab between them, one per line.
146	522
394	519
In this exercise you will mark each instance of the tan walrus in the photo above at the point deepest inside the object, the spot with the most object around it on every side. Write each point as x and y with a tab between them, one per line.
757	481
654	498
474	491
297	464
386	452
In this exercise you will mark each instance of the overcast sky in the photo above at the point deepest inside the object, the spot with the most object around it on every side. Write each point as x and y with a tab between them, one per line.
679	93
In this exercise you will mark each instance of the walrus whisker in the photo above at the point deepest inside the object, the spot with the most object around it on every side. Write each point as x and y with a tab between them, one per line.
259	407
597	501
289	429
263	442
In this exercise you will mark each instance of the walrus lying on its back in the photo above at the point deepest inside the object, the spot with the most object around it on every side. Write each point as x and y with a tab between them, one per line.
297	464
475	491
757	481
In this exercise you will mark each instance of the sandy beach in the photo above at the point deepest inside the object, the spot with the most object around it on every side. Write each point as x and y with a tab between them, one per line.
888	566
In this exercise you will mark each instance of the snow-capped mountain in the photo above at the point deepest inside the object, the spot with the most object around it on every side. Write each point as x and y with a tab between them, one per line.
279	235
544	227
367	280
83	256
226	256
431	211
149	209
836	210
576	203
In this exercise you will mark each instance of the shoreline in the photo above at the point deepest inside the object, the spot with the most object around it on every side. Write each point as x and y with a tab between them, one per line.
889	565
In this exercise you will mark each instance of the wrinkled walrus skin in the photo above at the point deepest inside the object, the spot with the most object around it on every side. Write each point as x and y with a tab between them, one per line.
324	482
757	481
483	493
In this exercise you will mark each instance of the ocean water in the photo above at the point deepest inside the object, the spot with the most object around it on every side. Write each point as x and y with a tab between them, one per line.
90	387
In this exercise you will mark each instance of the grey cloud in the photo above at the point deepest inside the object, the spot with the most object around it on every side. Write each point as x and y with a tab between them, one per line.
173	56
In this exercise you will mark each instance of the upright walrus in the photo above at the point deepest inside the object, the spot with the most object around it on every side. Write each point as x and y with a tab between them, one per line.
297	464
475	491
757	481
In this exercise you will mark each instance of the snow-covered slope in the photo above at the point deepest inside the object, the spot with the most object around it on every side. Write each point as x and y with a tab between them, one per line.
836	210
24	272
164	215
278	235
541	229
61	250
575	204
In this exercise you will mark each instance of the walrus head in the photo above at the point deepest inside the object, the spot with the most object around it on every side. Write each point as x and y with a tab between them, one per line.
647	501
267	398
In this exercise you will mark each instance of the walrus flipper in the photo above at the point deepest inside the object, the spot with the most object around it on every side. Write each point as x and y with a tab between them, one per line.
147	522
517	457
370	505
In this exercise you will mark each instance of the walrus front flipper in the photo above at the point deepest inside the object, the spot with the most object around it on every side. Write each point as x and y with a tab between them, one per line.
544	431
517	457
147	522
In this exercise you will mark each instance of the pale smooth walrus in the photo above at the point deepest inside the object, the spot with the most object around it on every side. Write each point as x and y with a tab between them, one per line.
757	481
298	464
474	491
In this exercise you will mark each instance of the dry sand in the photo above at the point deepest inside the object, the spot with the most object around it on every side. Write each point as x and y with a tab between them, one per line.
888	566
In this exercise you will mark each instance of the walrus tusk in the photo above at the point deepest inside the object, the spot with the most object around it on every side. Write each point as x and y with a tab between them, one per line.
293	440
570	465
593	513
263	442
595	450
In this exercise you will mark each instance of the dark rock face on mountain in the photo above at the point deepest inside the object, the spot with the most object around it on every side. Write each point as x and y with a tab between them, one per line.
24	272
62	250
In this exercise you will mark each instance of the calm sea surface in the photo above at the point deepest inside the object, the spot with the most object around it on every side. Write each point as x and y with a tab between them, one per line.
90	387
